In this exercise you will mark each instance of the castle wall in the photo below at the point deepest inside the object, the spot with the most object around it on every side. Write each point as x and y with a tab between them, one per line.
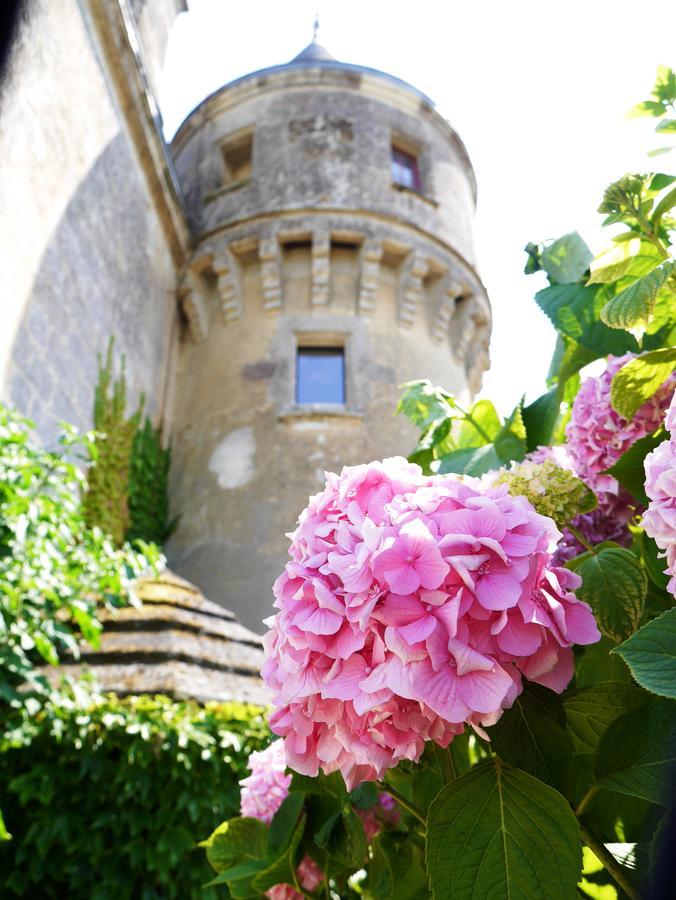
85	252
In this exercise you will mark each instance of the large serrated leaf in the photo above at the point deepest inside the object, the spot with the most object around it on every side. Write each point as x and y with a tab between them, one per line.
567	259
629	468
651	655
531	734
615	586
470	461
500	833
236	841
636	754
633	257
639	379
590	710
633	307
574	311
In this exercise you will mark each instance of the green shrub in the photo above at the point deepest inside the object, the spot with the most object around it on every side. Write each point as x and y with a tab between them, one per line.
148	487
105	797
105	500
54	570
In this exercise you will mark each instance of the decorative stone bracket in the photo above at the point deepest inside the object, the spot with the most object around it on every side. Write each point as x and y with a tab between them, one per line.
412	291
371	255
271	273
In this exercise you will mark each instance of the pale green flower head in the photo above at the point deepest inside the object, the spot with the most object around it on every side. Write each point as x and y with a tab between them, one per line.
553	491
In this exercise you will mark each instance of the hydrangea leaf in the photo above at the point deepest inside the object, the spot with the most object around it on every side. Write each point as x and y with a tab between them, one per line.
519	837
629	469
482	427
540	417
633	257
281	870
343	839
422	403
615	586
397	870
4	834
637	752
651	655
590	710
574	311
639	379
632	308
510	442
532	735
567	259
284	822
470	461
235	841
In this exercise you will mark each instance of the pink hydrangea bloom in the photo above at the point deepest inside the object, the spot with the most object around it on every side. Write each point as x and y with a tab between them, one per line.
412	606
597	435
263	792
309	875
659	520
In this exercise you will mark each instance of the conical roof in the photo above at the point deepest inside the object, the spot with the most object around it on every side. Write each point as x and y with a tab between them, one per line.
177	643
314	52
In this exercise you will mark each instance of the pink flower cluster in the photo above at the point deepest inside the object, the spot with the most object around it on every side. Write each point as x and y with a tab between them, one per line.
262	793
411	606
659	520
597	435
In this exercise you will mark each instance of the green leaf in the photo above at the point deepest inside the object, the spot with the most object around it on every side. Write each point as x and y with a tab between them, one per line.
510	443
653	562
284	822
651	655
500	833
636	754
540	418
590	710
667	126
239	879
332	785
633	257
422	403
283	869
574	311
633	307
531	735
365	796
236	840
629	469
594	664
615	586
4	834
342	837
397	870
567	259
568	358
647	108
639	379
486	418
471	461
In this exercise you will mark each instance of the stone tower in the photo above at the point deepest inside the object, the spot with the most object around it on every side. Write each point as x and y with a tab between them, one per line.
331	208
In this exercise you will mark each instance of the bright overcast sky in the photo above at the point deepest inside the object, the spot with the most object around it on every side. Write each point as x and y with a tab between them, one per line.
537	91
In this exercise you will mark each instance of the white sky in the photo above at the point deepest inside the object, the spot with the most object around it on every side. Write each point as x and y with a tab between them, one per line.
536	90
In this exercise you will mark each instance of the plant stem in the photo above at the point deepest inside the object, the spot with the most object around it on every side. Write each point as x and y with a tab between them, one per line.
446	764
582	805
583	540
609	861
405	804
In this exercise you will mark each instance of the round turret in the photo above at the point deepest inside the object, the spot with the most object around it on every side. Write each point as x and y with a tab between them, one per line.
332	211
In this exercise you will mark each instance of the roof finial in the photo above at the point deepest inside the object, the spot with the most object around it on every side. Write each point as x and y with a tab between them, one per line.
315	28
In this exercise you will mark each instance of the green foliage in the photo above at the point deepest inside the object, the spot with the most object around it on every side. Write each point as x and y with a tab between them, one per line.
650	653
54	570
640	378
633	307
104	795
105	499
615	585
518	837
565	260
148	487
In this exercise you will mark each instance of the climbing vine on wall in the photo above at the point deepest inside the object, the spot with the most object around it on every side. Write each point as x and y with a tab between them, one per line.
148	486
105	501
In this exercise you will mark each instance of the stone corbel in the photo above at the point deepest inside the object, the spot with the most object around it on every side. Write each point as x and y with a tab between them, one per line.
371	255
447	305
195	309
413	293
321	268
226	270
471	330
271	273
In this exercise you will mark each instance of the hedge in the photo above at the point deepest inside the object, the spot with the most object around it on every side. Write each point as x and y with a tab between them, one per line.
106	797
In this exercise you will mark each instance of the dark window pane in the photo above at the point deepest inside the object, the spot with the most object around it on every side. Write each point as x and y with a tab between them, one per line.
320	375
405	169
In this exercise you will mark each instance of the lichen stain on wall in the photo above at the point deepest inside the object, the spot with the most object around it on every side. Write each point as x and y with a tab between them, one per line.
232	461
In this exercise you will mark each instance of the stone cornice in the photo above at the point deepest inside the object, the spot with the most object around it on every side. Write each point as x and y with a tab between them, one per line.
116	33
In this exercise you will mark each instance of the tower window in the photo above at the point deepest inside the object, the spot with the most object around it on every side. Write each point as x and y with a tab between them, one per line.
405	169
320	375
237	152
